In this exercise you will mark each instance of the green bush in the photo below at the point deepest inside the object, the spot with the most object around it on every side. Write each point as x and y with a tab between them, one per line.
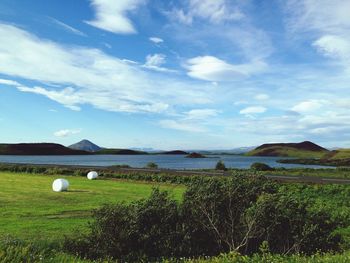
152	165
17	251
216	216
261	167
220	166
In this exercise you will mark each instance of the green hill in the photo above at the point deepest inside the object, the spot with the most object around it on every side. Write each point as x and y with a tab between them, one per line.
337	154
304	149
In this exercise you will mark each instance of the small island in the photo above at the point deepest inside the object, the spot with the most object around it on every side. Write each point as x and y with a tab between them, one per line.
195	155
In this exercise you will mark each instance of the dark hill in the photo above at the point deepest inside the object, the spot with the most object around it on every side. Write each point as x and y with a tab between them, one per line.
38	149
195	155
85	145
306	146
175	152
300	150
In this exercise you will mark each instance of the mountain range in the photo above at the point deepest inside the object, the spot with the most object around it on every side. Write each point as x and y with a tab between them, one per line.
304	149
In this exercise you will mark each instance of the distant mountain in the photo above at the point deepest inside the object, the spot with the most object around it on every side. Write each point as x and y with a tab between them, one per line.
150	150
179	152
195	155
119	151
38	149
304	149
85	145
239	150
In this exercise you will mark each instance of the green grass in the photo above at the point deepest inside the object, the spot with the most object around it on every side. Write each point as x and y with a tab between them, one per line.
339	154
269	258
30	209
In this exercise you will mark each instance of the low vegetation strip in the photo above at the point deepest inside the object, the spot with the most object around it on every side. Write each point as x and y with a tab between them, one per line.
325	162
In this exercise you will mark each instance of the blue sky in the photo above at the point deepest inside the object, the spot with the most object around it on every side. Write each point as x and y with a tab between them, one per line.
203	74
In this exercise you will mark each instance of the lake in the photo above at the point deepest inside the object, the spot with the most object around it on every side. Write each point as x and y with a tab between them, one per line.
163	161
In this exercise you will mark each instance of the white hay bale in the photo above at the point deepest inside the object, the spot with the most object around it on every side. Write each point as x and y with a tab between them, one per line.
92	175
60	185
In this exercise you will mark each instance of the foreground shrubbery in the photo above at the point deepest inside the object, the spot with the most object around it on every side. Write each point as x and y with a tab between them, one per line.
16	251
261	167
216	216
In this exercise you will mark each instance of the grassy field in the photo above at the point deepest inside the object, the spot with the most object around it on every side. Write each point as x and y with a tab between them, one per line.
30	209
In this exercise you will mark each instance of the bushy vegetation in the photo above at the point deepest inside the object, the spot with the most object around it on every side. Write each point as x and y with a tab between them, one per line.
261	167
339	172
16	251
160	177
325	162
240	214
152	165
220	165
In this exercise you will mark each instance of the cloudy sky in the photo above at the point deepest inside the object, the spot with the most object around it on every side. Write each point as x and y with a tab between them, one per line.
204	74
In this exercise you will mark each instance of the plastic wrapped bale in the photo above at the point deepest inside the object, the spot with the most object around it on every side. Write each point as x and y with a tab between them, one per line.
60	185
92	175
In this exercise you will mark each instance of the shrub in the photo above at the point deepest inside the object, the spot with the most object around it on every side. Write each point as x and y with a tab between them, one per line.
17	251
146	229
152	165
220	166
261	167
216	216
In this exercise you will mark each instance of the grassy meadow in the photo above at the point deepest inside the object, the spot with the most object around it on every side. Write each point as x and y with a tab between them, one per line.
29	208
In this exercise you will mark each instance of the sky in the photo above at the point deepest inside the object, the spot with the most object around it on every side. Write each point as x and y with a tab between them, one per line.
186	74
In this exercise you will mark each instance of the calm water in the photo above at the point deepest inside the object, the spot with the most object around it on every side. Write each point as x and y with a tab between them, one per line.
163	161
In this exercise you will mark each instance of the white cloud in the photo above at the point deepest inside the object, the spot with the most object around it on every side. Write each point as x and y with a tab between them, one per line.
253	110
156	40
308	106
112	15
68	97
261	97
329	24
333	46
67	27
155	60
214	11
89	76
320	15
195	120
107	45
181	125
199	114
336	47
214	69
9	82
66	132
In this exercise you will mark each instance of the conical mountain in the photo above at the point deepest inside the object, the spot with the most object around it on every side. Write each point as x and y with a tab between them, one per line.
85	145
